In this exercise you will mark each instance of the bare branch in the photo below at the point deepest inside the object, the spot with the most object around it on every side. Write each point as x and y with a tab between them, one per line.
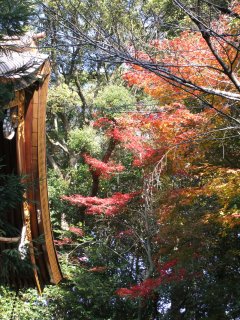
9	240
58	144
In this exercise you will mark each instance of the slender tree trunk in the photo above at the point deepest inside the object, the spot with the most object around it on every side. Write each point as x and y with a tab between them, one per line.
139	316
54	165
177	302
155	306
81	95
95	176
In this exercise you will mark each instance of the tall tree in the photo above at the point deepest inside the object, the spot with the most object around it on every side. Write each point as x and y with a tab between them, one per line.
154	226
122	42
14	16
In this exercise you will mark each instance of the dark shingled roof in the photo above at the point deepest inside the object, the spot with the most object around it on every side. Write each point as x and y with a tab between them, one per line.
20	61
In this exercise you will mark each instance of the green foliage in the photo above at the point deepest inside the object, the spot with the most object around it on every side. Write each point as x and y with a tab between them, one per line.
11	195
25	304
12	266
85	140
6	93
62	98
14	16
11	191
78	181
57	187
114	99
186	218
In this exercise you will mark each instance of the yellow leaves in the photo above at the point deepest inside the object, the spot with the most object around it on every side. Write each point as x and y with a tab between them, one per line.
215	199
225	185
206	219
222	183
229	221
223	218
189	195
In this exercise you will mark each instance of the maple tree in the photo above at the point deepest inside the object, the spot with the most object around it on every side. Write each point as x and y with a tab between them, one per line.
175	140
153	232
182	135
215	41
194	63
190	186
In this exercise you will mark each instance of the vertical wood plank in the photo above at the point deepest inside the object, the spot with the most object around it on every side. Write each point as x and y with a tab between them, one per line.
54	269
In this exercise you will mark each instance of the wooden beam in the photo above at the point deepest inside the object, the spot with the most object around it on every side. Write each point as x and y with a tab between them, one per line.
9	240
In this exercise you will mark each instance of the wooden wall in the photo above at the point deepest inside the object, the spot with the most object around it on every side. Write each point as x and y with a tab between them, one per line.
26	155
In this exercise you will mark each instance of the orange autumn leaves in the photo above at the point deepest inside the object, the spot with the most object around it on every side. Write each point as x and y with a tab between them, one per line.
213	182
147	137
190	58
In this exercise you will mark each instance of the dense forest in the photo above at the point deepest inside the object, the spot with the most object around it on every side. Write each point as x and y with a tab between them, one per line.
143	157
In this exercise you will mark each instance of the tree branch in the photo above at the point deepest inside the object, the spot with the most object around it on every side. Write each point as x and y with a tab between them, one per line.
54	165
57	144
9	240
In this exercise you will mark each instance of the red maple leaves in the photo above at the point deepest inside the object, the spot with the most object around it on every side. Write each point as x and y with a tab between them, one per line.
78	231
166	274
100	168
97	206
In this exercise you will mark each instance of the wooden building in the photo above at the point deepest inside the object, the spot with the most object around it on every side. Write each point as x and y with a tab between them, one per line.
23	151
